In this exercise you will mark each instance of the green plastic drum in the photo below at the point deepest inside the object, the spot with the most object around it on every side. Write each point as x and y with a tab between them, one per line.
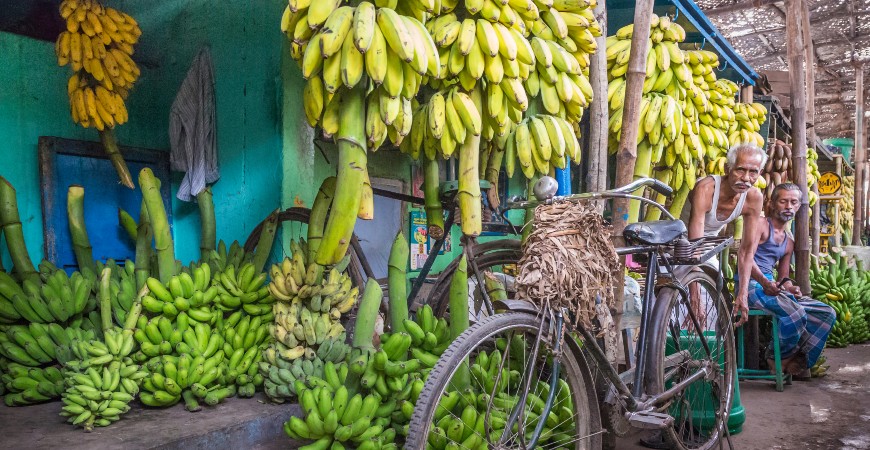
703	415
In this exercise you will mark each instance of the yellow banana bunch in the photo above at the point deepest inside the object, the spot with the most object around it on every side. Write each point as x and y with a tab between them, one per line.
542	142
98	44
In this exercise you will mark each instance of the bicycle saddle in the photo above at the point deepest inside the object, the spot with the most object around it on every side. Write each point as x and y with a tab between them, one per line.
659	232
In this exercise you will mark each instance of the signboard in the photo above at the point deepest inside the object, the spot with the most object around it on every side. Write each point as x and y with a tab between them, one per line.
419	241
829	183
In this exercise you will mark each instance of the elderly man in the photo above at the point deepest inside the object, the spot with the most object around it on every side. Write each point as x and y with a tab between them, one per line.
718	200
804	323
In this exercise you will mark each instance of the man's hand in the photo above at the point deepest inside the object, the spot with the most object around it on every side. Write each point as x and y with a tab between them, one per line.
793	289
770	288
697	308
741	309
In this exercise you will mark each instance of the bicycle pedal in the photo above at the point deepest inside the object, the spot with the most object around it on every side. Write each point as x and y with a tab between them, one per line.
649	420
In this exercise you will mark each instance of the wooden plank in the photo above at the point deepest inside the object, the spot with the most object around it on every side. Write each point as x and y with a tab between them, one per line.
796	60
596	177
811	118
860	156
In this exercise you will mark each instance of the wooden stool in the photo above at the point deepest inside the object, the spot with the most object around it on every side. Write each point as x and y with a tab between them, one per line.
754	374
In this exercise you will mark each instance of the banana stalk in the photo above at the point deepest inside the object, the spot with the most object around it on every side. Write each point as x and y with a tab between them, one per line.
144	236
398	286
528	224
10	223
106	299
459	317
75	209
469	187
492	172
131	322
351	174
162	235
2	269
205	201
110	144
264	245
366	315
317	218
128	223
367	200
431	198
679	200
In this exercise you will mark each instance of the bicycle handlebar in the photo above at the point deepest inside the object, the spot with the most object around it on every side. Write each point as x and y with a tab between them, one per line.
620	192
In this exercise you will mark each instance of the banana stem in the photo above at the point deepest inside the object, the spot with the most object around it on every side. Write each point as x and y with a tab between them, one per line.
110	144
431	198
492	173
205	200
366	315
144	236
398	283
367	200
128	223
317	218
469	186
679	200
2	269
190	403
136	309
10	222
528	224
106	299
351	174
157	213
75	209
264	245
459	317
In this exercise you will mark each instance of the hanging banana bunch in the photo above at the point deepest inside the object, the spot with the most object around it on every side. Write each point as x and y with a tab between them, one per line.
98	46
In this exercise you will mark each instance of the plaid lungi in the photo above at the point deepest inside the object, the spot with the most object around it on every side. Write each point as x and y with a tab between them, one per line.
804	323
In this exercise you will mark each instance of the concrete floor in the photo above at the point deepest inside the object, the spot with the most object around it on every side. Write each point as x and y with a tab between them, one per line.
832	412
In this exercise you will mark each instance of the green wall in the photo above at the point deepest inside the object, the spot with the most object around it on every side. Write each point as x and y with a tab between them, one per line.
246	47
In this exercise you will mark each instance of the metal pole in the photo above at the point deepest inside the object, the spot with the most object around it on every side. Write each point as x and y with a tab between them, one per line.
798	84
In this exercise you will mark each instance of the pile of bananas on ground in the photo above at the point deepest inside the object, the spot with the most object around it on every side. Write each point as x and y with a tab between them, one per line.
847	207
101	378
847	290
98	43
307	328
245	337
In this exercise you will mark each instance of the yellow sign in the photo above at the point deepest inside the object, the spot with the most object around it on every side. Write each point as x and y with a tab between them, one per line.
829	183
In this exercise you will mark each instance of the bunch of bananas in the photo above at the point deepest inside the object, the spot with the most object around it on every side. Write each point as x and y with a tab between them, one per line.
122	287
37	344
777	169
242	289
223	257
446	120
28	385
334	416
281	374
847	207
820	369
56	299
158	336
847	290
98	43
196	373
749	118
101	379
245	337
541	142
183	294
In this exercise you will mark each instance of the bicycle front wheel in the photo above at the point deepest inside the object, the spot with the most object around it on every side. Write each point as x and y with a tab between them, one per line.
680	348
471	398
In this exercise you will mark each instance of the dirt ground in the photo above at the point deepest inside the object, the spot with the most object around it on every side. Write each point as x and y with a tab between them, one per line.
832	412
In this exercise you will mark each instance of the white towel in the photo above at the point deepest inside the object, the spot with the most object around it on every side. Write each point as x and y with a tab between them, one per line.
192	129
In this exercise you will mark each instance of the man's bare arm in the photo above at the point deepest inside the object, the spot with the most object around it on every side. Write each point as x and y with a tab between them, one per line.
783	269
746	254
702	202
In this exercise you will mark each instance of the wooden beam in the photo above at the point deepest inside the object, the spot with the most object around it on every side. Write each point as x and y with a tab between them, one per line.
811	116
823	19
797	75
853	21
860	157
596	178
860	41
740	6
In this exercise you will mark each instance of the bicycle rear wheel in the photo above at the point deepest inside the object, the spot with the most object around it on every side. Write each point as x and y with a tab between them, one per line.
472	411
677	351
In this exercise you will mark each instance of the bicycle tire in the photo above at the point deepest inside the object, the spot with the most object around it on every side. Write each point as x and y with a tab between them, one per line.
701	410
479	337
486	255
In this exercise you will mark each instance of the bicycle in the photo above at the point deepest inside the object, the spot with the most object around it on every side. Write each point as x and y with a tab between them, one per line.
517	379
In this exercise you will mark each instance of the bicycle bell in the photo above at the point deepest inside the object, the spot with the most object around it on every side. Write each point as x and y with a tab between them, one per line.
545	188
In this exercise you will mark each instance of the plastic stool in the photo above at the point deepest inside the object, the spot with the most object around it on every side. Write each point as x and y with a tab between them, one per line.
753	374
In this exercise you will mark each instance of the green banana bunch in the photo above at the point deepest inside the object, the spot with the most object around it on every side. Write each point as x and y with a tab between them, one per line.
245	337
123	288
190	377
820	369
334	417
101	379
280	375
184	293
30	385
223	257
58	298
159	336
37	344
242	289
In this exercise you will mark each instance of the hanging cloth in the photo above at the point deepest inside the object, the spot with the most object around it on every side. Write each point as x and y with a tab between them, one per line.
192	129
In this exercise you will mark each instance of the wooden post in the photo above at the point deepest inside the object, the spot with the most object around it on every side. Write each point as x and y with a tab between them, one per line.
627	153
798	82
811	118
838	168
596	177
858	223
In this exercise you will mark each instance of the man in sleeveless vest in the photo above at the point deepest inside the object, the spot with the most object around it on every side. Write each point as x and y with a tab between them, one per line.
804	323
717	201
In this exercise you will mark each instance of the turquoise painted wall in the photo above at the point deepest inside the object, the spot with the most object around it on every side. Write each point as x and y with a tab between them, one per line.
246	47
